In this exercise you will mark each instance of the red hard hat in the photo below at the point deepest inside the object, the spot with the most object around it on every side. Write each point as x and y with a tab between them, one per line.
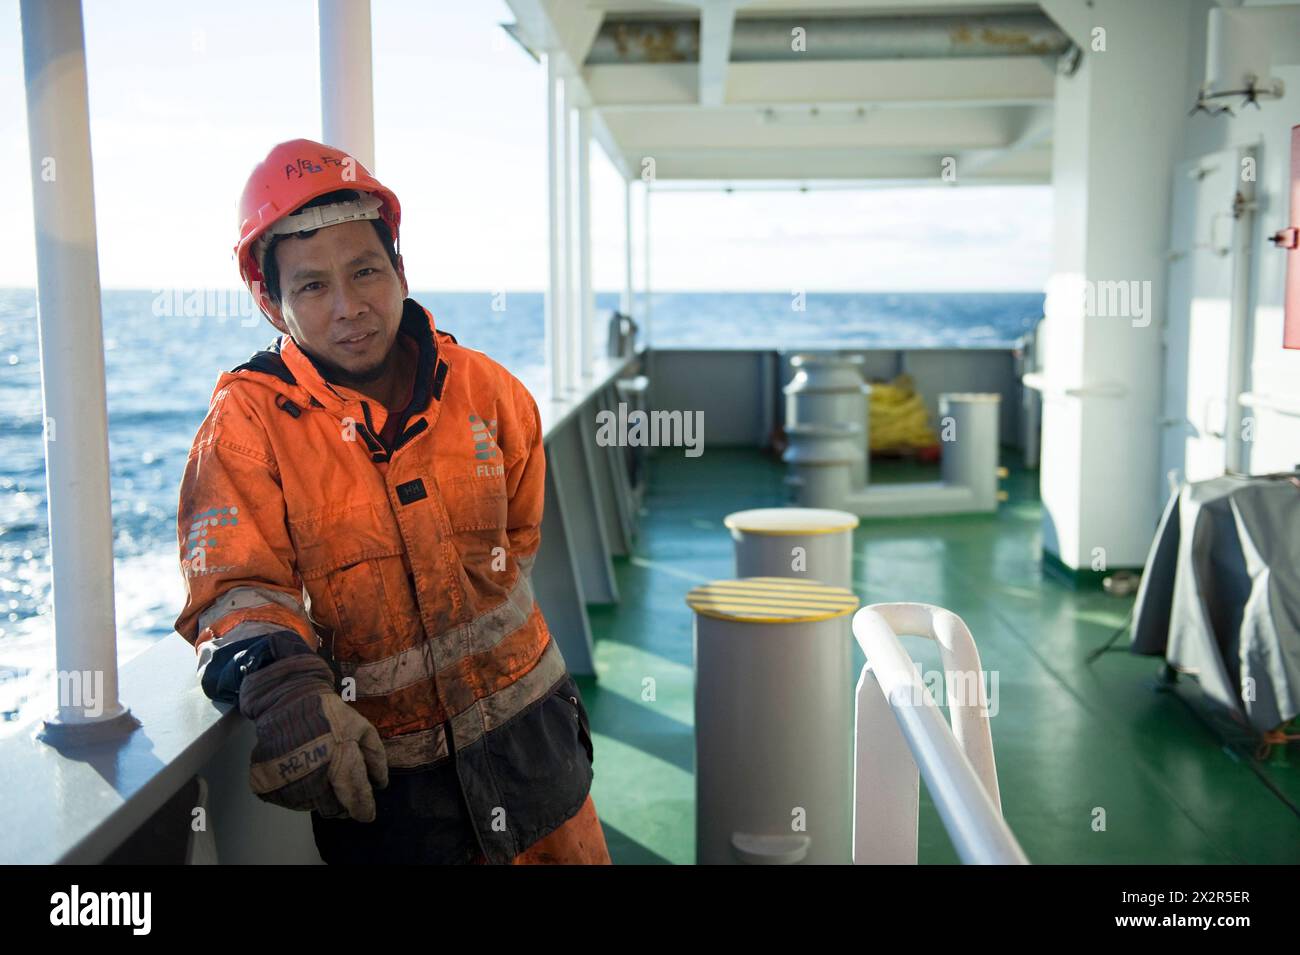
292	174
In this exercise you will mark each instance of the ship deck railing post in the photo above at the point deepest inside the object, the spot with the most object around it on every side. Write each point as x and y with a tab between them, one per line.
556	298
626	304
585	292
74	395
347	95
645	308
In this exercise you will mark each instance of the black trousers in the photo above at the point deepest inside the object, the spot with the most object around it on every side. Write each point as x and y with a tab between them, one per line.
536	769
420	819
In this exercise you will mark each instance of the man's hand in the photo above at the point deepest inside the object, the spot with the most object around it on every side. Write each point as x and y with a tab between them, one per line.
313	750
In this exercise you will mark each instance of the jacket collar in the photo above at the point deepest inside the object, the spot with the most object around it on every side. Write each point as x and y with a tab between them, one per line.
292	372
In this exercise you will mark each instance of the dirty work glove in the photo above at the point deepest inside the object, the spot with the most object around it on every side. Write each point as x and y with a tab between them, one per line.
313	750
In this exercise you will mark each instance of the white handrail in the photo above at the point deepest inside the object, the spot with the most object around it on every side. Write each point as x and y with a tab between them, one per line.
1038	381
957	762
1279	403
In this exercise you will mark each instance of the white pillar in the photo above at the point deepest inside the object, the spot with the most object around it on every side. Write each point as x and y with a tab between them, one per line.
645	318
72	373
588	310
555	218
626	305
571	304
1119	123
570	295
347	99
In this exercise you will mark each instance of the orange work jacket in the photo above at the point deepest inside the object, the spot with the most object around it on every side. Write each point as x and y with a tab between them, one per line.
408	567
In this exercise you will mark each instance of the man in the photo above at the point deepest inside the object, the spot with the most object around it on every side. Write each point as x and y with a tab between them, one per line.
358	520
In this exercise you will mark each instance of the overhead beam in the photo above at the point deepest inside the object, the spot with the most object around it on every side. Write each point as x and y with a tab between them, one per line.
642	7
574	27
750	127
809	164
717	17
808	185
565	42
808	36
560	28
1075	20
1011	80
1036	130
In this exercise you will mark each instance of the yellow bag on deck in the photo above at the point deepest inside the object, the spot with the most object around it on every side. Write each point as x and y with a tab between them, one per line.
898	419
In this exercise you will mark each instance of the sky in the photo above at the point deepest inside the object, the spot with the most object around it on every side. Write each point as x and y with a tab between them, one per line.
185	98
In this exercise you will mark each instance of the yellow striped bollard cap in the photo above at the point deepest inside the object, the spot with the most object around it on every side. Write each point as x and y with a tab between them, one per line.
771	600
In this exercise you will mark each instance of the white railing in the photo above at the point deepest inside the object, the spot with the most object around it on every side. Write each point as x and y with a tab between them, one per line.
1283	404
901	735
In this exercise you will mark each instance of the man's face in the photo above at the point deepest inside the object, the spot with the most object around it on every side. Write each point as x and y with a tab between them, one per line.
340	299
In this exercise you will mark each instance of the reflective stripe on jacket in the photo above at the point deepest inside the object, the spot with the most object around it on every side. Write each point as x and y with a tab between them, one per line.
409	567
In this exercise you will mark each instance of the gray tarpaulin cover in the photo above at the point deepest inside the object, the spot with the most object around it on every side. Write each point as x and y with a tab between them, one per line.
1221	594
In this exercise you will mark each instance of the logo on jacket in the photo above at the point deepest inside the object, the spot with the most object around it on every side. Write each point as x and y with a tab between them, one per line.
202	538
484	434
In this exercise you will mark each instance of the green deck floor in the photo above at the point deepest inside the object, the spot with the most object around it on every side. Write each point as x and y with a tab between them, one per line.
1176	780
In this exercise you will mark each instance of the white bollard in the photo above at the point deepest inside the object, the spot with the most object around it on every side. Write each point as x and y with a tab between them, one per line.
773	721
821	459
970	456
800	542
828	389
